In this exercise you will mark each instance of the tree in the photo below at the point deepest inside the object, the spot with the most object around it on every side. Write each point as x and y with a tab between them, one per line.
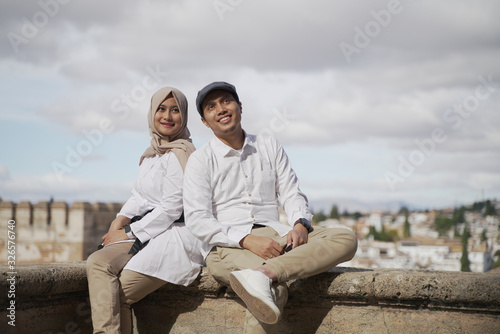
464	260
496	264
477	206
383	235
465	235
319	217
393	235
459	215
373	231
406	229
334	212
442	224
489	209
483	236
403	210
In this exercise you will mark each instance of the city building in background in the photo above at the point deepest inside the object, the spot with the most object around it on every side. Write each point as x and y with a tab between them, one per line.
458	239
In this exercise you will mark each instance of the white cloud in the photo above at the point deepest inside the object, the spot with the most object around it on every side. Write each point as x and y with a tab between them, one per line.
87	61
71	189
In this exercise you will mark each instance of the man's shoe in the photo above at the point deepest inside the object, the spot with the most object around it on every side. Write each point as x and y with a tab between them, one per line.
255	289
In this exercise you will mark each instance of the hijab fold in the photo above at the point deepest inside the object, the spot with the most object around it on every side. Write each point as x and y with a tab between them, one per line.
179	143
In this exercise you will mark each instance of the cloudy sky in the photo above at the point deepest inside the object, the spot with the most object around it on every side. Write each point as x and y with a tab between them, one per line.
377	103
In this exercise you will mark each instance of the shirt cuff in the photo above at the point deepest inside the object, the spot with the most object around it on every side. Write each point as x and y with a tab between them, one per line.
125	215
297	215
234	237
140	233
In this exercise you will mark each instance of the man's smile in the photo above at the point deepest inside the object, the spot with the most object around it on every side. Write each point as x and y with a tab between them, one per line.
225	119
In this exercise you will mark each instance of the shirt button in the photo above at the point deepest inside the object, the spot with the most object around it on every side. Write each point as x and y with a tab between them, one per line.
250	195
246	176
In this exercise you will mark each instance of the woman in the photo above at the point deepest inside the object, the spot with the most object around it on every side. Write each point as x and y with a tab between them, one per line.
166	250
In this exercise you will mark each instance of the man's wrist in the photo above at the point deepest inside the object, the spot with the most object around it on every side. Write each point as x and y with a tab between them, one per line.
304	222
242	241
246	239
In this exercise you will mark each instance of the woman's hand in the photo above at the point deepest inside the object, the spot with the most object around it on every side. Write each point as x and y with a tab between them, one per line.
118	223
114	236
115	232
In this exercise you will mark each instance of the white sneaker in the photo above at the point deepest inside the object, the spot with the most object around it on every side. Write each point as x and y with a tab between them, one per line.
256	290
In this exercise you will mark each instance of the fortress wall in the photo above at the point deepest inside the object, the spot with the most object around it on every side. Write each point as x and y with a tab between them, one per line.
6	211
24	214
59	218
48	232
40	229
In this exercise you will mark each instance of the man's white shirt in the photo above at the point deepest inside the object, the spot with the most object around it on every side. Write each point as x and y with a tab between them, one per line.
226	191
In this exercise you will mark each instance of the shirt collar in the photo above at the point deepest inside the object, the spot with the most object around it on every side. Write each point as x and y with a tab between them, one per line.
225	150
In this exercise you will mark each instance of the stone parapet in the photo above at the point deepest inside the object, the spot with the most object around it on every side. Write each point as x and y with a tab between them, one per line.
53	298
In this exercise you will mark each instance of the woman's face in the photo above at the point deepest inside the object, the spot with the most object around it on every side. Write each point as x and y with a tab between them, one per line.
168	118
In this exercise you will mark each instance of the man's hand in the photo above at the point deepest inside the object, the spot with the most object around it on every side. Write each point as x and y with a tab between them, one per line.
264	247
297	236
114	236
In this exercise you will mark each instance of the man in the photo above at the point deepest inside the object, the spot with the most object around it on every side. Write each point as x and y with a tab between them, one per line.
231	190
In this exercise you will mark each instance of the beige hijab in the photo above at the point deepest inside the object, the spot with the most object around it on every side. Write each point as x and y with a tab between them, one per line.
180	143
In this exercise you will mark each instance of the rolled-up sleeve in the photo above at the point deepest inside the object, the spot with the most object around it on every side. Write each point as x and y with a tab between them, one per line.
130	208
170	208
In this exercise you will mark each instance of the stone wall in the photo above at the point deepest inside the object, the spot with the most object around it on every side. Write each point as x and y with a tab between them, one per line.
53	298
49	232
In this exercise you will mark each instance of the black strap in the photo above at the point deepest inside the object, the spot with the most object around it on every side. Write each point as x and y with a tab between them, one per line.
139	217
258	226
138	245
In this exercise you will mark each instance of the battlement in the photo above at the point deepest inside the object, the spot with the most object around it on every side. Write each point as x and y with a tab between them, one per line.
53	298
55	231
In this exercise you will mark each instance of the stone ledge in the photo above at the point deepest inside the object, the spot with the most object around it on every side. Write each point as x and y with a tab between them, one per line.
56	295
475	291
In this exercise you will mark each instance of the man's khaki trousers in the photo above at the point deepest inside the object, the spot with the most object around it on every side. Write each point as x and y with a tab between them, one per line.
326	247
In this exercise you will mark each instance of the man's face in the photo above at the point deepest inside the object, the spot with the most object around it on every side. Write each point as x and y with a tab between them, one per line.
222	113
